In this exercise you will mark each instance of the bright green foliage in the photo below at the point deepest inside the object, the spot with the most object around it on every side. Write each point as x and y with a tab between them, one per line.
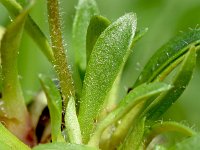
167	54
181	80
55	107
8	141
97	25
107	58
85	109
136	96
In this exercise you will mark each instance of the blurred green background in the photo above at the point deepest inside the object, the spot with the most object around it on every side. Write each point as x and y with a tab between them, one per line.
164	18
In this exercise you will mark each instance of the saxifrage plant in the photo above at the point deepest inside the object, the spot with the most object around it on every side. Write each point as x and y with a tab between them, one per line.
85	112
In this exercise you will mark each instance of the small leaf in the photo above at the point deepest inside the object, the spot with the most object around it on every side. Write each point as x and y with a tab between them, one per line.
171	51
107	59
97	25
8	141
31	27
62	146
192	143
136	96
84	11
72	124
135	136
181	80
55	107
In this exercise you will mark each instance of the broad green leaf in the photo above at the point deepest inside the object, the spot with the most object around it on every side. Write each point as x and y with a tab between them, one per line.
106	61
84	11
167	54
192	143
72	124
55	107
136	96
167	126
112	97
13	100
62	146
135	136
8	141
181	80
31	27
97	25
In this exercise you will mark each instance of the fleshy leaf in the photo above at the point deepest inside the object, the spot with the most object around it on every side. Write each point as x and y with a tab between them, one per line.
31	27
63	146
8	141
55	107
171	51
181	80
136	96
85	10
72	124
97	25
192	143
106	61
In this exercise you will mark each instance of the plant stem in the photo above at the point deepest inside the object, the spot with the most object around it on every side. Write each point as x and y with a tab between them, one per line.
60	62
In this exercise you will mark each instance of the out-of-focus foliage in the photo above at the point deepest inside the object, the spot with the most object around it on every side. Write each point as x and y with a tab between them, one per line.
164	18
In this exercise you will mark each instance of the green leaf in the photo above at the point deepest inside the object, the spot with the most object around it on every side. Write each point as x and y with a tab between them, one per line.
8	141
72	124
136	96
84	11
181	80
192	143
107	59
97	25
171	51
62	146
135	136
167	126
13	100
31	27
55	107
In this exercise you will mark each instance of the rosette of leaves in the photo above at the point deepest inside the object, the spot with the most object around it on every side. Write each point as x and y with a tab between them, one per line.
84	110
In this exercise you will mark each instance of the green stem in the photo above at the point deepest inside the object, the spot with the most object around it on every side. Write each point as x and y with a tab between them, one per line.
60	63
